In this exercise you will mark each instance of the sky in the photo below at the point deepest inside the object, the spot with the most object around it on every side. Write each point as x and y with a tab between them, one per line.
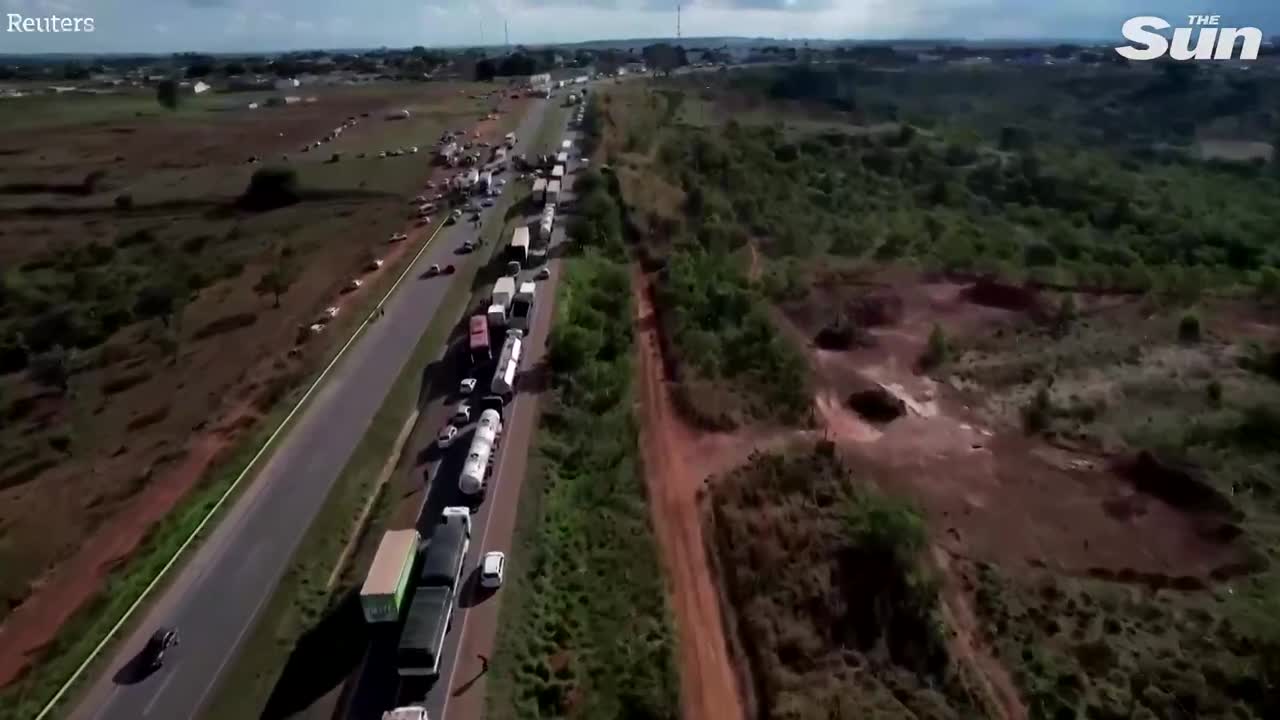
157	26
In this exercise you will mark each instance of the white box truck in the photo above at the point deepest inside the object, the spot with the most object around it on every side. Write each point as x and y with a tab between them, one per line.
557	172
504	291
519	251
539	189
497	315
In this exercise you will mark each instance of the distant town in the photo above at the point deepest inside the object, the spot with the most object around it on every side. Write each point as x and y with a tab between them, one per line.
200	73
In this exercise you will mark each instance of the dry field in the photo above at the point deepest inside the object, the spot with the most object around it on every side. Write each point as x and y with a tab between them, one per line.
153	398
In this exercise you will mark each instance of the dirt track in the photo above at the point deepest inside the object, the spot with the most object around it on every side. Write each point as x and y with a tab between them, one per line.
675	468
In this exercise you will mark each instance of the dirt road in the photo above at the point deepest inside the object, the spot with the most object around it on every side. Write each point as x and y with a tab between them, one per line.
708	686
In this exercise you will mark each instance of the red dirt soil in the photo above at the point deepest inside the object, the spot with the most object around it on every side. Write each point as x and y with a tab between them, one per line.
57	595
677	461
965	643
993	493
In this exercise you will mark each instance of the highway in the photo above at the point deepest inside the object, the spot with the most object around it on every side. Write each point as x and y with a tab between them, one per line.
217	596
459	691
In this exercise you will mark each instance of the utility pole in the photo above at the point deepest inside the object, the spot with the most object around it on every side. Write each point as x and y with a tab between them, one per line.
506	35
678	9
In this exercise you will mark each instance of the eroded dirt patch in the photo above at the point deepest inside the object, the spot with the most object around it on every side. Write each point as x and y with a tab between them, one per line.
992	492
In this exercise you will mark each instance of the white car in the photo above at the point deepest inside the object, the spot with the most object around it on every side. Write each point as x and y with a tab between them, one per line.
354	284
466	387
447	435
492	568
462	414
408	712
329	314
398	237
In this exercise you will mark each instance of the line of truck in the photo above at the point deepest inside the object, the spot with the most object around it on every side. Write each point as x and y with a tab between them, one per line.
429	594
419	580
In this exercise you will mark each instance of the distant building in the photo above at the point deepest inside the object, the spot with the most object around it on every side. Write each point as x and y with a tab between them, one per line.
539	80
201	87
286	83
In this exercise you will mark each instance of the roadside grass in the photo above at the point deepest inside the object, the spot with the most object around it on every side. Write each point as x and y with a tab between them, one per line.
302	601
585	627
24	698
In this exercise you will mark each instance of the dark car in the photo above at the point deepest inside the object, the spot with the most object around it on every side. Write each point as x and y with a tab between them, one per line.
160	642
448	269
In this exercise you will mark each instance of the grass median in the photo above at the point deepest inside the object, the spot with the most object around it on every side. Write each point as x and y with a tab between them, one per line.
585	630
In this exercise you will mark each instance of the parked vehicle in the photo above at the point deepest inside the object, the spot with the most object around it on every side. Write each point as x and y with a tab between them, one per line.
433	271
383	595
475	470
522	307
447	435
492	570
468	385
542	274
430	612
408	712
462	414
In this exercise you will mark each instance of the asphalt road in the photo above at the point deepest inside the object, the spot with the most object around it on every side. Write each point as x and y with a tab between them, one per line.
459	691
218	595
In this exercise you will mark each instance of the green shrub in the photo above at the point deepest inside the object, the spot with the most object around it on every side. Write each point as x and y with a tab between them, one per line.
271	188
1189	328
936	350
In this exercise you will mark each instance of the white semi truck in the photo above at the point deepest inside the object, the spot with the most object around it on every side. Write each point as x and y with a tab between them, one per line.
484	444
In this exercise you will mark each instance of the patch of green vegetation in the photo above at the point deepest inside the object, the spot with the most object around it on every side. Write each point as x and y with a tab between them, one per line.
1103	650
732	367
832	591
586	633
1038	208
90	624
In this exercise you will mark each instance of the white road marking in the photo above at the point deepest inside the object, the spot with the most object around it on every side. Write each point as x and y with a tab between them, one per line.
159	691
128	613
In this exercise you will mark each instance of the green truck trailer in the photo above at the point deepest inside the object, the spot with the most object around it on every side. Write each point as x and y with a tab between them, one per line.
384	592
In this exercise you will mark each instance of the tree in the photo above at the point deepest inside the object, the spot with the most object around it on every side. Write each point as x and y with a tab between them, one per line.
1269	282
168	94
1037	413
52	368
271	188
157	299
1066	314
279	277
486	70
936	351
664	57
1189	328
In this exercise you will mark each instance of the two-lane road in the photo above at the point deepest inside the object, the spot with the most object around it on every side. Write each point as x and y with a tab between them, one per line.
216	598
